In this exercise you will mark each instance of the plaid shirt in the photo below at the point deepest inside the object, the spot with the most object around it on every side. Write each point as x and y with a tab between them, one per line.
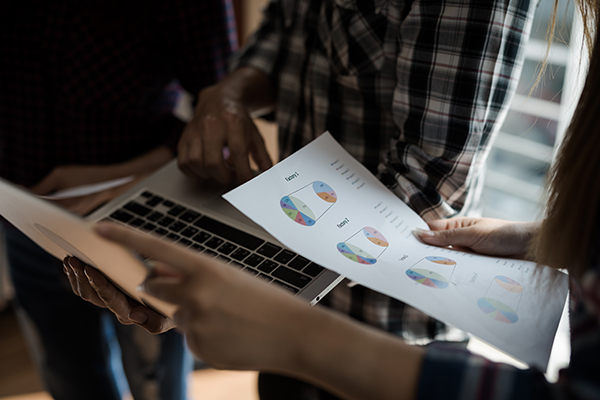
414	90
451	373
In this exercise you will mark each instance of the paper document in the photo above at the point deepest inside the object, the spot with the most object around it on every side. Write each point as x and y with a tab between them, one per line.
84	190
323	204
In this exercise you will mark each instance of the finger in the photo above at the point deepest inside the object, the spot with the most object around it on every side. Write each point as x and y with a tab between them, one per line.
239	156
259	151
70	275
84	289
177	257
185	152
171	290
149	319
215	141
114	299
194	160
465	237
127	310
449	223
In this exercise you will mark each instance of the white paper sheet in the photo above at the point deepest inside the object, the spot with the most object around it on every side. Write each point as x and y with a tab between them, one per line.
323	204
85	190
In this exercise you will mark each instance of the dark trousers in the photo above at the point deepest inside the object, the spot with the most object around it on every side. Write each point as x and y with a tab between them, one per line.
82	351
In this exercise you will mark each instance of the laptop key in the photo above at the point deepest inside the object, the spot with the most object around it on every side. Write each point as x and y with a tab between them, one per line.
251	271
298	263
214	242
137	208
268	266
177	226
285	256
154	201
184	242
239	254
227	248
189	216
155	216
147	194
166	221
201	237
168	203
268	250
175	211
313	269
136	222
230	233
173	237
160	231
121	216
210	253
265	277
285	286
198	247
223	258
189	231
253	260
290	276
237	264
149	227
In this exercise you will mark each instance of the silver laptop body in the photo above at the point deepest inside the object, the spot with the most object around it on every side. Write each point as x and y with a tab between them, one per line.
309	282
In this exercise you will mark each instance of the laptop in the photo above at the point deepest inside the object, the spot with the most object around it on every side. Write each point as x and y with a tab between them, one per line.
171	206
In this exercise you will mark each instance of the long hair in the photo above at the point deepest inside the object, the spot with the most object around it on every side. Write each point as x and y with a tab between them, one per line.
573	189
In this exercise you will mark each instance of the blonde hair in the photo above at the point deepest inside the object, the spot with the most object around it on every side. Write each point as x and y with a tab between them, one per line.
573	189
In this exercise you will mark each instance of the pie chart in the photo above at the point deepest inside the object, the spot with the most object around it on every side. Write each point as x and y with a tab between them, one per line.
324	191
509	284
427	278
497	310
297	210
355	253
375	237
440	260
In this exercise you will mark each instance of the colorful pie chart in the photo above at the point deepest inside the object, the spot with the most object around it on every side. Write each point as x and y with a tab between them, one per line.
355	253
497	310
427	278
440	260
509	284
324	191
297	210
375	237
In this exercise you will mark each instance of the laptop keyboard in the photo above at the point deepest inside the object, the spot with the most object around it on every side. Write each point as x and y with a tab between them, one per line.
189	228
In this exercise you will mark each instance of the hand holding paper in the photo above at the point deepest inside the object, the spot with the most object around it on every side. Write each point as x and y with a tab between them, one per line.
323	204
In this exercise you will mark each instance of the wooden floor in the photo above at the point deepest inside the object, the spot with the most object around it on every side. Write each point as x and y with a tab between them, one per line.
19	379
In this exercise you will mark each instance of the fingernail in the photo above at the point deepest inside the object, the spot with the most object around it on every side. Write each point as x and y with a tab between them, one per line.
423	232
138	317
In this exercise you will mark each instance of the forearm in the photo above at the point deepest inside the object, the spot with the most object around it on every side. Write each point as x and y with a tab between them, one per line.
353	360
249	86
142	164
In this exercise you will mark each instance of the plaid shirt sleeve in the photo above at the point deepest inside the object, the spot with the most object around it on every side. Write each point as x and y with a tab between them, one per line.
263	48
458	65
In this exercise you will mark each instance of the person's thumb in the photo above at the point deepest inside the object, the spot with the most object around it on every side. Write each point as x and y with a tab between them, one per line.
456	237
